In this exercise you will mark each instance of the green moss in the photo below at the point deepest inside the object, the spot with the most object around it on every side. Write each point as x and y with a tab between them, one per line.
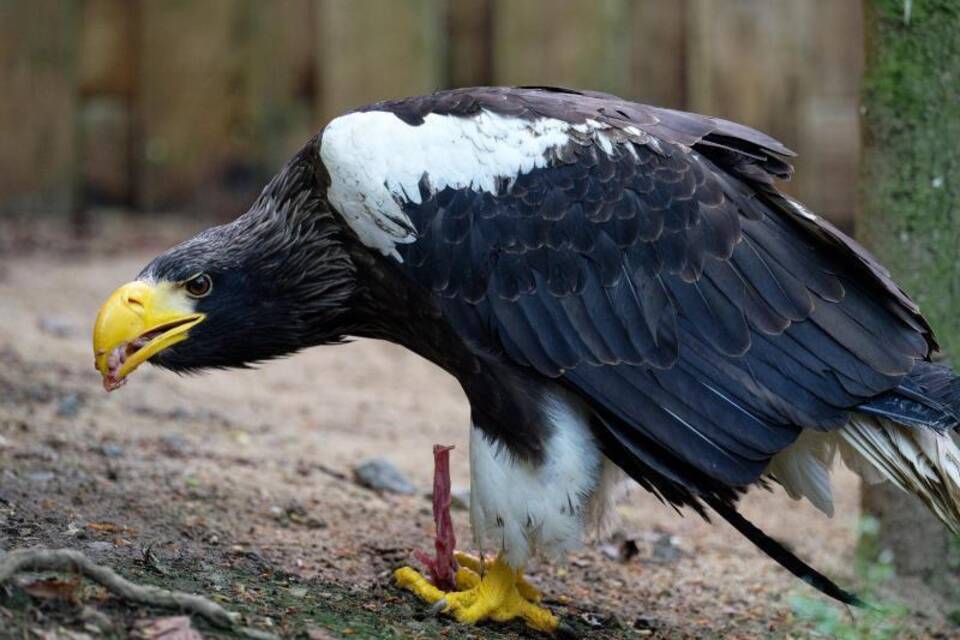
911	158
880	621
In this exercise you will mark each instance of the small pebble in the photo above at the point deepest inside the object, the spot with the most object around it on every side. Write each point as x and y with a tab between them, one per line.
380	474
69	406
56	327
625	551
645	623
665	549
109	450
595	620
179	413
173	444
317	633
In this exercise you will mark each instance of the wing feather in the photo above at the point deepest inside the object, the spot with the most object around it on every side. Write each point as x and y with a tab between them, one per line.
647	262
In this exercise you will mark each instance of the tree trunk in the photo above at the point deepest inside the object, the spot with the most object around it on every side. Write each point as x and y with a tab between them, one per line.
910	213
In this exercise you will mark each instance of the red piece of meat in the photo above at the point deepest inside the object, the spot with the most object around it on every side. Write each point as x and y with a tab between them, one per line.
443	567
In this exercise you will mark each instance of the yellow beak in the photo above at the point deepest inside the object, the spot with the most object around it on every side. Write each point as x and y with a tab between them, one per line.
137	321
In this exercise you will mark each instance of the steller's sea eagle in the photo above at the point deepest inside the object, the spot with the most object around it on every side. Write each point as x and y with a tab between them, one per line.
614	285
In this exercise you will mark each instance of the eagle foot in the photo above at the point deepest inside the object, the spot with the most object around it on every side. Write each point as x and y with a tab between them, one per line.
487	591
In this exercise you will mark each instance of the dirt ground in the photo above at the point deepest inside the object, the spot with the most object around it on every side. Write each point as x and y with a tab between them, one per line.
240	484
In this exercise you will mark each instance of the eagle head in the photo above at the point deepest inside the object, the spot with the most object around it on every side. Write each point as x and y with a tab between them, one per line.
275	280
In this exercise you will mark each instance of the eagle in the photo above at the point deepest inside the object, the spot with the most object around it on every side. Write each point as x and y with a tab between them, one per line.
620	290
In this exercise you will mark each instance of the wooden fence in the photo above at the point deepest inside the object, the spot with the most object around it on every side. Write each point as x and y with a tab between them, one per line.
176	104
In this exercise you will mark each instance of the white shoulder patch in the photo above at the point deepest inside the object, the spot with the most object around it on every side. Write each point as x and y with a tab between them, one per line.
376	162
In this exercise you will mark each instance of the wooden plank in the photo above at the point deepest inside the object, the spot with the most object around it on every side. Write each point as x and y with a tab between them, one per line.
107	68
791	69
744	59
226	96
376	49
279	74
830	116
105	129
188	99
38	110
574	43
107	60
657	57
470	42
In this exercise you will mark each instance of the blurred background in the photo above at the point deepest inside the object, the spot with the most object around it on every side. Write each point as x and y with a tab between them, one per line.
180	106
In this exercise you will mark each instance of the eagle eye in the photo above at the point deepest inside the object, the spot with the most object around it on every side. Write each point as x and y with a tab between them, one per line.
198	286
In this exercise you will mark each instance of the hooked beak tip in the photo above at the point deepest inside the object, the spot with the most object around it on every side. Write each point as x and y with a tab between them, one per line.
139	320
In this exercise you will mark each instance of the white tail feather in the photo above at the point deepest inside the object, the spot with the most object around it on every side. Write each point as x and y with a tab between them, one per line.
803	469
919	461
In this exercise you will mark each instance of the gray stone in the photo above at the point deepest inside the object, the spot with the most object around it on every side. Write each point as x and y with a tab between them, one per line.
173	444
110	450
40	477
69	405
380	474
56	327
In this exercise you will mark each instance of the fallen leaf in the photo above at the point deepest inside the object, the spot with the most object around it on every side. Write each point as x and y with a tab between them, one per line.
318	633
109	527
53	589
170	628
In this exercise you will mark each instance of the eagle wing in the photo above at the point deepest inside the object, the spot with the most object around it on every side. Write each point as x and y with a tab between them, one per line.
643	257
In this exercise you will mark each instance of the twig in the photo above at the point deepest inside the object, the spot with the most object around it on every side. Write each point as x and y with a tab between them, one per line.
70	560
333	473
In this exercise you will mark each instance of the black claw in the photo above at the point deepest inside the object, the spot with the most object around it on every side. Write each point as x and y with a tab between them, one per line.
437	607
565	632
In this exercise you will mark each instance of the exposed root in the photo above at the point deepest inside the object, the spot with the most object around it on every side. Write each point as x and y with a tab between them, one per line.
73	561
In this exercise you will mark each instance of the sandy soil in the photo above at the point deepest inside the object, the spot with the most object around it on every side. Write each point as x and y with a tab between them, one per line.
241	482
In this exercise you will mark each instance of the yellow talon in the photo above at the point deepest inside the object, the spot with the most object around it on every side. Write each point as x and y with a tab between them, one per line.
501	594
412	580
472	562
